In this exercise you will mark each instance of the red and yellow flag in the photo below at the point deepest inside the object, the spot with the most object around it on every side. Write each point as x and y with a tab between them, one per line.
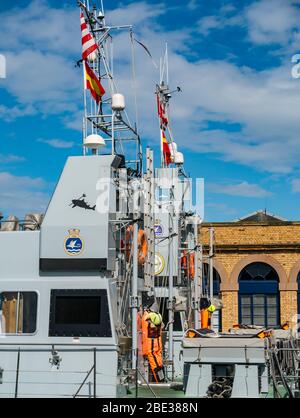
165	148
93	84
162	114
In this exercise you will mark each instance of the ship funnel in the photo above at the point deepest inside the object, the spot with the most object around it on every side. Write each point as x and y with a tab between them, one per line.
94	142
118	102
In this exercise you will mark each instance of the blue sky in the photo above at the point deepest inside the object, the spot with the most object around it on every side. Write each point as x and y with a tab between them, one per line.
236	120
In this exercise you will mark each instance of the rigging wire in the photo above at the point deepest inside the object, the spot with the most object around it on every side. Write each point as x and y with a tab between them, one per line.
134	84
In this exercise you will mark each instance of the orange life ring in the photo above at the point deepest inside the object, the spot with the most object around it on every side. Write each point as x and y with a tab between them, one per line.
142	244
184	260
191	265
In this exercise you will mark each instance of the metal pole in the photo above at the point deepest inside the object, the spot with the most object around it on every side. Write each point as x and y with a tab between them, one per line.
136	376
211	267
95	373
84	128
134	295
113	133
196	277
17	374
171	284
18	313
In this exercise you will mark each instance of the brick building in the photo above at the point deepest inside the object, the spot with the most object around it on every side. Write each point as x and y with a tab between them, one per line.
257	265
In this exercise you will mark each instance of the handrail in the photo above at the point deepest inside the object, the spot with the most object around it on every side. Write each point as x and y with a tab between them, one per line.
85	379
149	387
18	344
50	349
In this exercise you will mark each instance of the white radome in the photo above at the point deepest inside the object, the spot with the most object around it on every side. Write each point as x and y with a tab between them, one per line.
94	141
179	158
118	102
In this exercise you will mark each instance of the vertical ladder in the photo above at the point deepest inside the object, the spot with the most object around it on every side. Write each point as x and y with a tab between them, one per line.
149	220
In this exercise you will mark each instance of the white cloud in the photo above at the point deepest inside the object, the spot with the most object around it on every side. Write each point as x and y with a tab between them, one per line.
264	103
227	16
41	27
221	208
49	81
21	195
10	158
57	143
272	21
193	4
207	23
40	50
295	185
10	114
15	182
135	13
242	189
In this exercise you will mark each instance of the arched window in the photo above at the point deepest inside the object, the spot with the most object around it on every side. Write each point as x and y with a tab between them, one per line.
217	317
259	295
298	281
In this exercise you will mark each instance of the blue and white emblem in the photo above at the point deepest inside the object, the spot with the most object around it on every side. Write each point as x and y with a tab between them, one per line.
74	243
158	230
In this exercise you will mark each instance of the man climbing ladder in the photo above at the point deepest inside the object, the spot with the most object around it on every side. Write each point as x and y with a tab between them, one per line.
152	341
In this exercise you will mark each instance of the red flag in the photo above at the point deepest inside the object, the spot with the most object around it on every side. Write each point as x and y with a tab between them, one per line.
93	84
166	149
88	42
162	115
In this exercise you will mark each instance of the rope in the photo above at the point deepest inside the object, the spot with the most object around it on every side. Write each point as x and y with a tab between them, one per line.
134	85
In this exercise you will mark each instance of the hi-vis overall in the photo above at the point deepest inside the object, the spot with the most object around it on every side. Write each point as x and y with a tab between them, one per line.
152	346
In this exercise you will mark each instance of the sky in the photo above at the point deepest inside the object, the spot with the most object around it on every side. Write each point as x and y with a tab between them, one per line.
237	119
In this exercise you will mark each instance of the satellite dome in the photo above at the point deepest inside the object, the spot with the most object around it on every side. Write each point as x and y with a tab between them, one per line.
94	141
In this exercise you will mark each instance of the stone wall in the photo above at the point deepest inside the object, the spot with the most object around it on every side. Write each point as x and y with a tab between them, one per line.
238	244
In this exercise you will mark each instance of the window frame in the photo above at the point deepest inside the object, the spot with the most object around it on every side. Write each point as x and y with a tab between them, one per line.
80	330
265	306
258	285
26	334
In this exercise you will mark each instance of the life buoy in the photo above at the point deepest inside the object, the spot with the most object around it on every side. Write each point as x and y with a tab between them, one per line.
142	244
184	260
191	265
188	264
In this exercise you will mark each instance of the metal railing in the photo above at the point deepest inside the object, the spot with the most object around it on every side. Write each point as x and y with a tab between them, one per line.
55	360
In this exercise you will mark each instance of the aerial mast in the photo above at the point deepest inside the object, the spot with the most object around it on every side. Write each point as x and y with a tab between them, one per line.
106	122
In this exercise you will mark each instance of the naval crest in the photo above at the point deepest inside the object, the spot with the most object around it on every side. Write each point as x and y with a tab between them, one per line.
74	243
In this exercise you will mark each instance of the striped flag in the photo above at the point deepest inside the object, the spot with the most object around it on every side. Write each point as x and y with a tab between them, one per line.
162	114
93	84
165	149
88	42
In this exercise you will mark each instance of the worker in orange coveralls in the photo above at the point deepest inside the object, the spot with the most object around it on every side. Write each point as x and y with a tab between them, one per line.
152	341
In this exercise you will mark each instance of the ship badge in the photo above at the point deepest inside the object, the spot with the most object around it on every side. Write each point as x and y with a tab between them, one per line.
73	243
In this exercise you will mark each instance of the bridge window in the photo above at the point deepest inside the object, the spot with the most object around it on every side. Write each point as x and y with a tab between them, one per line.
18	312
259	295
79	313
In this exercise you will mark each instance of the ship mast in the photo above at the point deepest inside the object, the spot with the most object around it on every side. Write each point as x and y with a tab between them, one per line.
109	118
